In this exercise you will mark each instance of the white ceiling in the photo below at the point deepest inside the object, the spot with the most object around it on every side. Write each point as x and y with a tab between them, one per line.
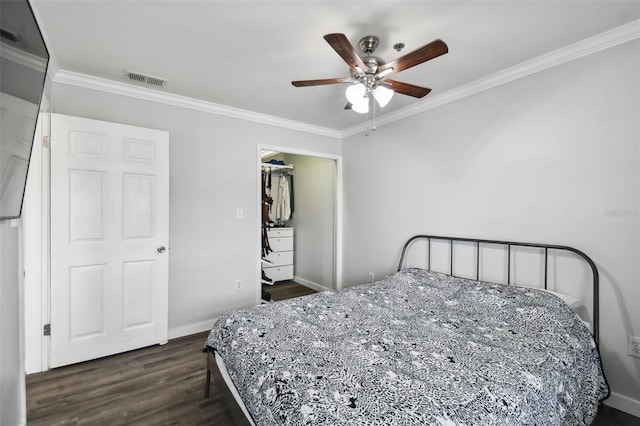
244	54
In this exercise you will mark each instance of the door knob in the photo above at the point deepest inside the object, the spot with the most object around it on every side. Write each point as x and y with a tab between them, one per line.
161	249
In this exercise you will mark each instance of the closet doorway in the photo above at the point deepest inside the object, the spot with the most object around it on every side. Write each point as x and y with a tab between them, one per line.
304	228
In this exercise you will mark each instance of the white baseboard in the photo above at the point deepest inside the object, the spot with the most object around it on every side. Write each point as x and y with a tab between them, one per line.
185	330
311	284
624	403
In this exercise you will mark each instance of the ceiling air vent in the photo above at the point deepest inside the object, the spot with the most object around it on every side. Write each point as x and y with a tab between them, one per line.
144	78
9	35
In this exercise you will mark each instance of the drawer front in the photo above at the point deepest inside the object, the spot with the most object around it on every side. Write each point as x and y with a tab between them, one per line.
280	258
281	244
279	273
280	232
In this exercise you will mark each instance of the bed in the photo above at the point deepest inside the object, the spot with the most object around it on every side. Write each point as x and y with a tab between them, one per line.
418	347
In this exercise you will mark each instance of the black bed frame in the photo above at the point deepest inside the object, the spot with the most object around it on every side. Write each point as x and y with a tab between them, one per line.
237	413
508	245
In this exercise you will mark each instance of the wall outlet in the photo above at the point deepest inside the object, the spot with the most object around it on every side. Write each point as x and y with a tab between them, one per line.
372	277
238	284
239	214
634	346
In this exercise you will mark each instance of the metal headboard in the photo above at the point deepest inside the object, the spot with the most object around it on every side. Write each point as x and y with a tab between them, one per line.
509	244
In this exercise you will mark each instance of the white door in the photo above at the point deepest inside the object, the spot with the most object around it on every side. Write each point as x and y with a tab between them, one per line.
109	238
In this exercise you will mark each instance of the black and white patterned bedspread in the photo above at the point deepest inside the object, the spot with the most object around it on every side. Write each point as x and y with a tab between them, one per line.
417	348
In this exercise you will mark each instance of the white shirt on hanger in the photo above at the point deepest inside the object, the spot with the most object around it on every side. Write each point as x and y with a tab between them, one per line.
283	204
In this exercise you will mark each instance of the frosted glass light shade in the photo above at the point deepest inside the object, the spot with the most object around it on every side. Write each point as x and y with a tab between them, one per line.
362	106
355	93
383	95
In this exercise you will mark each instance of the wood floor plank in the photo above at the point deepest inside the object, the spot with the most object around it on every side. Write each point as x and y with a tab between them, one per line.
283	290
159	385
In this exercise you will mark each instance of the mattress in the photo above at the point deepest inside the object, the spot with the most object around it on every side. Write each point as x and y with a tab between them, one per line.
416	348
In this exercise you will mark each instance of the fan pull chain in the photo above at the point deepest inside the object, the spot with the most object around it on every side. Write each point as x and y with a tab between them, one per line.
373	128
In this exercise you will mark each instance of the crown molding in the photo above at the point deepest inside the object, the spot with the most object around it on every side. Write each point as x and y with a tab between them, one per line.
71	78
560	56
58	75
588	46
53	69
23	58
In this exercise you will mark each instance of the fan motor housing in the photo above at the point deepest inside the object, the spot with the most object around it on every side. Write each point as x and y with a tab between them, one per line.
368	44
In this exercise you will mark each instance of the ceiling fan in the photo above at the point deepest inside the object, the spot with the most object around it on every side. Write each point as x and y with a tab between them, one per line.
369	73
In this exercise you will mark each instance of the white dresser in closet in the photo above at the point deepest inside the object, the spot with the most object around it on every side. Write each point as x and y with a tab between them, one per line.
280	266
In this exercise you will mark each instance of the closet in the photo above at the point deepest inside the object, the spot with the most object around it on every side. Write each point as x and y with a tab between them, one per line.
301	232
277	213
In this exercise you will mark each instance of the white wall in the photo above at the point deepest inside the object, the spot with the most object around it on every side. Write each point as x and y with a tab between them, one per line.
32	209
12	382
314	219
209	248
549	158
12	307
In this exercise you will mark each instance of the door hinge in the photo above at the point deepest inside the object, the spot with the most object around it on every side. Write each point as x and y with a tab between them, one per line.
47	330
46	142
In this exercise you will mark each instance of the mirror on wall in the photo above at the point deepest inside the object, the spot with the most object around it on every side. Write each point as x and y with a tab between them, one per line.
23	66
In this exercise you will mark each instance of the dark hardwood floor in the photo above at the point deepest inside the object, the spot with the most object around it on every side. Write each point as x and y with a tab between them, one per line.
608	416
159	385
286	290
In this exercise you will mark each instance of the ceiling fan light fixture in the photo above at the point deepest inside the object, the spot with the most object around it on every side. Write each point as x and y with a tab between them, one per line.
362	106
383	95
368	72
355	93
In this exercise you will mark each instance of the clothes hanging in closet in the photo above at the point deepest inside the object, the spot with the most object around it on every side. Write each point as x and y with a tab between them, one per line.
267	202
291	195
279	213
283	203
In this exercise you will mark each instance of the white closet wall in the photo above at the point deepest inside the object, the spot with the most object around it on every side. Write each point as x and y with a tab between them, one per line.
314	190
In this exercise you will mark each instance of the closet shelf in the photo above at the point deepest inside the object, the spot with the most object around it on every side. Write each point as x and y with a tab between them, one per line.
277	166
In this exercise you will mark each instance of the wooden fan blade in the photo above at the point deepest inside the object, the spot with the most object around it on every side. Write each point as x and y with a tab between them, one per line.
408	89
418	56
345	49
303	83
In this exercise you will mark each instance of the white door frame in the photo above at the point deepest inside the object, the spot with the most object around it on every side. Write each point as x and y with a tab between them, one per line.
36	247
337	238
36	301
